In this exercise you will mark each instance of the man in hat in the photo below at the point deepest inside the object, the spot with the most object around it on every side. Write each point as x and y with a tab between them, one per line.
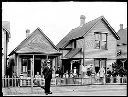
47	76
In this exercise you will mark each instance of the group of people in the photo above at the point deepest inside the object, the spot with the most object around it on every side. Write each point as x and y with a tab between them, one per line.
99	73
47	72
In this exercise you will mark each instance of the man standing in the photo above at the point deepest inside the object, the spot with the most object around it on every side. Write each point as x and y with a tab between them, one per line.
47	76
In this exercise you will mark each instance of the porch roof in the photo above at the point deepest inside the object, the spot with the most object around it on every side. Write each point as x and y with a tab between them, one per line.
122	56
72	53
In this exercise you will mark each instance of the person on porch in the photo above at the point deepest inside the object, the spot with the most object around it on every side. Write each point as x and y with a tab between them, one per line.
37	80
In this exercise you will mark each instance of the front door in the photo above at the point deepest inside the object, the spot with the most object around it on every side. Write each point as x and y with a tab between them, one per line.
37	66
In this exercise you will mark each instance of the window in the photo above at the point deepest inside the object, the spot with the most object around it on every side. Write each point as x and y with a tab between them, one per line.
26	66
100	40
97	41
98	63
104	41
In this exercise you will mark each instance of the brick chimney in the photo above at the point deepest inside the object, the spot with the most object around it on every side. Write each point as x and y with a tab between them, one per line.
27	32
82	20
121	26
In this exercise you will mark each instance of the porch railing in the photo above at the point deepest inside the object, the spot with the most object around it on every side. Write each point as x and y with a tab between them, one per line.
19	82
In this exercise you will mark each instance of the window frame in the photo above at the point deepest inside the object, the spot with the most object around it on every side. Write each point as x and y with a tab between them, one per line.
100	40
27	66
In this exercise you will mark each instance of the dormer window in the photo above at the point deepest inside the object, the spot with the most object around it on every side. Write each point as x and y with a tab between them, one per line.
100	40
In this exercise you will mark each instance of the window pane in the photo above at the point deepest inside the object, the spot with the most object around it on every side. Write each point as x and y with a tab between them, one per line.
97	44
97	63
24	68
97	37
104	45
24	62
104	37
103	63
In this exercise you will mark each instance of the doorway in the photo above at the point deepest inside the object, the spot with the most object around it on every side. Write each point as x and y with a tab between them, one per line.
37	66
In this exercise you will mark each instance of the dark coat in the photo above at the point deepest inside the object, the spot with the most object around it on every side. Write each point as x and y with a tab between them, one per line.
47	72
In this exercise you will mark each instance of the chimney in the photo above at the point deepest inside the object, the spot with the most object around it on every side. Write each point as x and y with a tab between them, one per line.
121	26
27	32
82	20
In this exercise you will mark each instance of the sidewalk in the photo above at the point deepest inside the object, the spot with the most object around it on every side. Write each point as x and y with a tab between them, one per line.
68	90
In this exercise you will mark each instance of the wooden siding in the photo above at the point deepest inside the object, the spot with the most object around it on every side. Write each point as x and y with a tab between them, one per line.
90	51
64	52
37	39
70	45
90	43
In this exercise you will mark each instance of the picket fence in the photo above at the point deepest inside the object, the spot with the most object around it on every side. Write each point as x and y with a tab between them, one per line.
20	82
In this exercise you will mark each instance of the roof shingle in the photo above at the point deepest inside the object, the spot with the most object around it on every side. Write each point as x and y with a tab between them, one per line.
81	31
72	53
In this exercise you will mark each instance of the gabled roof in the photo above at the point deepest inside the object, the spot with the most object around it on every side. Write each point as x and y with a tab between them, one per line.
72	53
6	27
36	42
123	36
80	32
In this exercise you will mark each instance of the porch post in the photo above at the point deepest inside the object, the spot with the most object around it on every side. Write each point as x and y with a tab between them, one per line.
84	52
105	71
71	67
17	65
32	73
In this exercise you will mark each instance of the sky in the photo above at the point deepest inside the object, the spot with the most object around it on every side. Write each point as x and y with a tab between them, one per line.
57	19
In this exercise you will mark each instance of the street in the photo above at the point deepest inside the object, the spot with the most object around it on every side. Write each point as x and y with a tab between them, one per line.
90	90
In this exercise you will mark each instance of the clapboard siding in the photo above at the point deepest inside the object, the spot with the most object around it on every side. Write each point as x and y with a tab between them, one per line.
90	51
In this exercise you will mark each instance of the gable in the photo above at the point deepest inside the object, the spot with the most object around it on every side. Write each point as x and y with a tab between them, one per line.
80	32
38	38
36	42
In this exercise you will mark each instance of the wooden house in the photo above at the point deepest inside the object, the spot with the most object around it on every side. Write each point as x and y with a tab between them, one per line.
122	46
5	39
31	54
91	44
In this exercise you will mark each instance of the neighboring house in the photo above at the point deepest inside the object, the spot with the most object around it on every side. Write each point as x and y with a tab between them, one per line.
31	54
122	46
5	40
95	42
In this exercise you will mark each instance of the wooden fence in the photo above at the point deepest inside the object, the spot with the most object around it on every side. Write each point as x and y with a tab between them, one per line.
20	82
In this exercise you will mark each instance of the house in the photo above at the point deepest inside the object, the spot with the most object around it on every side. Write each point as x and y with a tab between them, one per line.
122	47
31	54
91	44
5	39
